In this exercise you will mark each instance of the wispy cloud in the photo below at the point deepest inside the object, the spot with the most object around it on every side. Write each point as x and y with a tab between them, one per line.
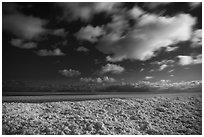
23	44
148	77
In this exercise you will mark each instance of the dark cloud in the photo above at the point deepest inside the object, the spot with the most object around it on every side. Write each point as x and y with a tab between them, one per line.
82	49
85	11
70	72
22	44
23	26
194	4
154	5
59	32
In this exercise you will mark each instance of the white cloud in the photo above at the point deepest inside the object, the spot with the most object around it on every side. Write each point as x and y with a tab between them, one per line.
70	72
196	38
171	70
163	64
136	12
148	77
55	52
165	81
85	11
112	68
89	33
162	67
108	79
82	49
26	27
185	60
189	60
22	44
105	79
142	69
171	75
151	33
169	49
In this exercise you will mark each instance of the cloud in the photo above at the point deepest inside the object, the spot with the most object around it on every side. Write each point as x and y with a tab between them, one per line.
55	52
162	67
149	34
89	33
189	60
82	49
171	70
85	11
185	60
163	64
194	4
112	68
148	77
58	32
154	5
169	49
142	69
196	38
23	26
136	12
165	81
171	75
165	61
22	44
10	7
70	73
151	70
105	79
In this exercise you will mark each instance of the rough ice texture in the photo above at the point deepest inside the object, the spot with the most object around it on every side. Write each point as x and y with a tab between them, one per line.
157	115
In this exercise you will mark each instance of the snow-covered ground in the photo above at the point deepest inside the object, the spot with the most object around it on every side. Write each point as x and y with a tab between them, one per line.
155	115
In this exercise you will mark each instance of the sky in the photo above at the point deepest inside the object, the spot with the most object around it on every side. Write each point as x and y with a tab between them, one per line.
102	42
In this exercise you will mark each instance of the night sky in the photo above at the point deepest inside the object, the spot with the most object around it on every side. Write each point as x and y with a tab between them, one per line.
102	42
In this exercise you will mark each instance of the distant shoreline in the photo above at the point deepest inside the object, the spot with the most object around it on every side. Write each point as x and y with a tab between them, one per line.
81	97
